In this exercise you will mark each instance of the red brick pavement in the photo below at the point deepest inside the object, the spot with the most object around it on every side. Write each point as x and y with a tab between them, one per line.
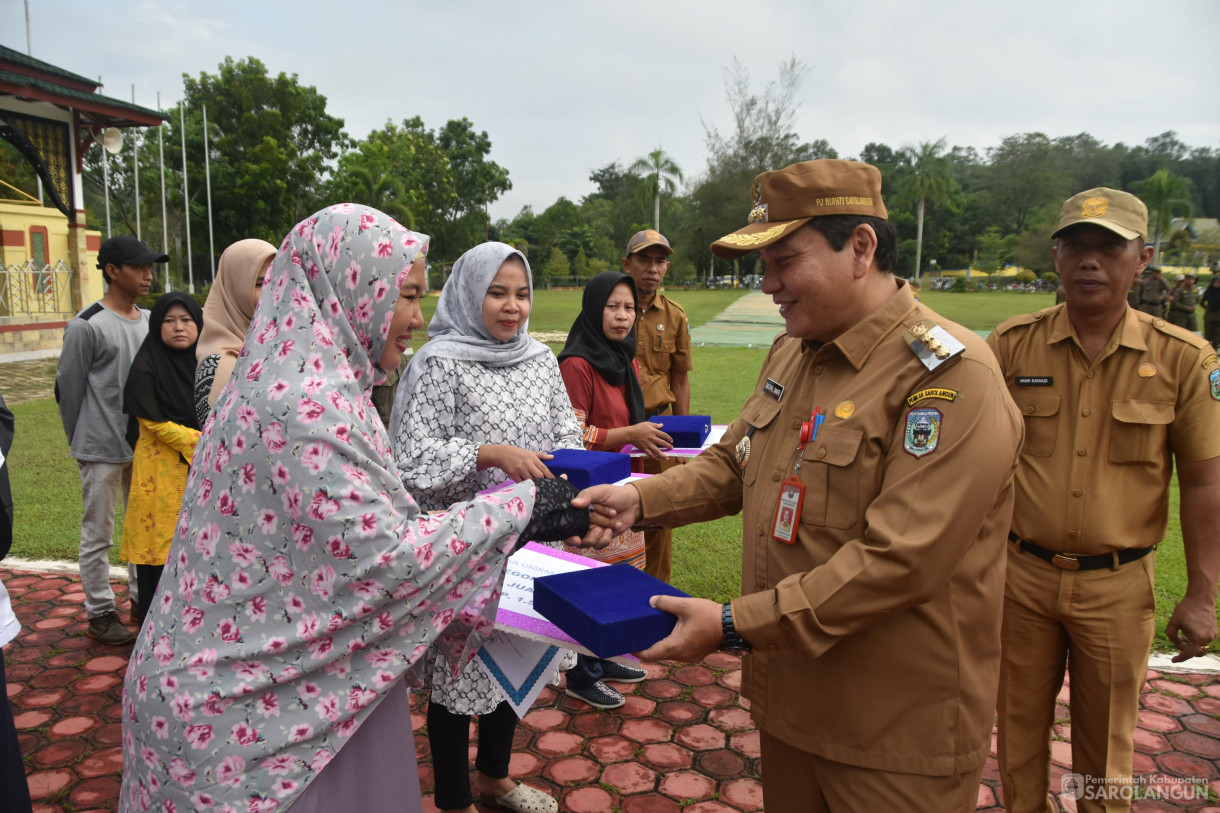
684	741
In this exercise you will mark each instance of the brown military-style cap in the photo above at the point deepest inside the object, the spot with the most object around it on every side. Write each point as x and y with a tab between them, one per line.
788	198
1120	212
646	238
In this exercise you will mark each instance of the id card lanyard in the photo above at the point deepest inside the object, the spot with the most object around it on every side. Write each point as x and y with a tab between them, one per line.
792	490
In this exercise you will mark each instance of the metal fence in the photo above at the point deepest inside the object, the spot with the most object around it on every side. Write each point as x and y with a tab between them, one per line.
31	290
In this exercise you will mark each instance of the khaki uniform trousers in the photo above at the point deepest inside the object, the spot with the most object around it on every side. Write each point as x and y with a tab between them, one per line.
796	781
1099	623
659	542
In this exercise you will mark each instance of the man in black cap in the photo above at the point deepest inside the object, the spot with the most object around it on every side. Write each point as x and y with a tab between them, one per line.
99	345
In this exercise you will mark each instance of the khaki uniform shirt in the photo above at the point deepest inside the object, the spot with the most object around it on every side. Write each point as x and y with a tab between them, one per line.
1185	300
1153	290
877	634
662	347
1099	435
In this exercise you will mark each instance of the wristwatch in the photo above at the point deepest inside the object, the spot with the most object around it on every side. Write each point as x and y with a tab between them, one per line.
732	639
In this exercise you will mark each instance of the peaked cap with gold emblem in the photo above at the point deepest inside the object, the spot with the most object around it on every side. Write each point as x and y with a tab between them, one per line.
1120	212
788	198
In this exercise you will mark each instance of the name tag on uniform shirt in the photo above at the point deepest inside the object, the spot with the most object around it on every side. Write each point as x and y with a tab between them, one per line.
1034	381
774	389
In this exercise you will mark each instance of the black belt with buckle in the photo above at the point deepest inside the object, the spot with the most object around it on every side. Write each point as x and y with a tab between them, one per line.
1069	561
652	413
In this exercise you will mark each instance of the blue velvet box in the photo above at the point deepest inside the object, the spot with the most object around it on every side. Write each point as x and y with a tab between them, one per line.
606	608
688	431
586	468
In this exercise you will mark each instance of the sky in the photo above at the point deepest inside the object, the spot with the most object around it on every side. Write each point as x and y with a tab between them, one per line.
564	88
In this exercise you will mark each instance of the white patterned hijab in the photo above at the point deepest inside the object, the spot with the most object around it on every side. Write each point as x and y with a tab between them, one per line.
457	330
302	581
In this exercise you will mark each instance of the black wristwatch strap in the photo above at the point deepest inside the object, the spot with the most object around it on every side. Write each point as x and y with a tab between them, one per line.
732	640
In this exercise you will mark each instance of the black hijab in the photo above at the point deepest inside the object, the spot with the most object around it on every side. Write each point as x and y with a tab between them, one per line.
161	384
587	340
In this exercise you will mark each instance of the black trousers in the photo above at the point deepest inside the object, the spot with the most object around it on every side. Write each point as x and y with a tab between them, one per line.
449	737
147	579
15	796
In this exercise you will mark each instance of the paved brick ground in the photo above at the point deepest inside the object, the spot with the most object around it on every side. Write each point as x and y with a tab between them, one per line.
684	741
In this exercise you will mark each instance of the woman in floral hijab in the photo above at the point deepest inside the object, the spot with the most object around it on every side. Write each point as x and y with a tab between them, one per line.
302	584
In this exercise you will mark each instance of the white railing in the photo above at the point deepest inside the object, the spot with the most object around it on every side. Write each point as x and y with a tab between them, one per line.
29	290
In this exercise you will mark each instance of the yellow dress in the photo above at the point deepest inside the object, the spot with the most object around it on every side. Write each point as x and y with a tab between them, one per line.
158	481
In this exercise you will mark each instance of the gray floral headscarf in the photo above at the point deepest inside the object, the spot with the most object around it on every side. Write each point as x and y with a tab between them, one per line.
457	330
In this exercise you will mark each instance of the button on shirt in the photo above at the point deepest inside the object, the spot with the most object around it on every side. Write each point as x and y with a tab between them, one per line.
876	634
1099	438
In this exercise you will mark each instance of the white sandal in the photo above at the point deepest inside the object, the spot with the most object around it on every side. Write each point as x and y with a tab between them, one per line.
525	799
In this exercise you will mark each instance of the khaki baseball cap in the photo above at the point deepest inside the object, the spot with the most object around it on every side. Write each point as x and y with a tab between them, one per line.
786	199
1120	212
646	238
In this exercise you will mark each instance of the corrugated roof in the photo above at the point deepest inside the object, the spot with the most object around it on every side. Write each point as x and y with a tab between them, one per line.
18	58
116	112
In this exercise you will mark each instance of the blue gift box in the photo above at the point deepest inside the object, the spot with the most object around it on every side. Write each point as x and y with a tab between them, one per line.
688	431
586	468
606	608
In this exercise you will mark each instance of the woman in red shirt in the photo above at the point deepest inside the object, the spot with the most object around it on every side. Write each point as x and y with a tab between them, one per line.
601	373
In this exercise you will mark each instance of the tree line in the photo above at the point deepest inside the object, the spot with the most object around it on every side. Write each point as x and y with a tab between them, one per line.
276	154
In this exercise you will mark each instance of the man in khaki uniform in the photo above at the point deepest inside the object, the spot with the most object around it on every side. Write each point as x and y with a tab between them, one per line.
871	560
1153	292
663	351
1183	303
1111	398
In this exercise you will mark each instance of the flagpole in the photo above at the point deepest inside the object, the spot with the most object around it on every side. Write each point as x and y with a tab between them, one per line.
164	226
186	201
105	171
207	177
135	165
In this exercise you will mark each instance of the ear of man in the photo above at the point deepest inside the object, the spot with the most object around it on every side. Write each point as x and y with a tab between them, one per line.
863	245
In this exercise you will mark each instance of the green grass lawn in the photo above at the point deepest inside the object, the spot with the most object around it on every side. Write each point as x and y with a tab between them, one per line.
707	557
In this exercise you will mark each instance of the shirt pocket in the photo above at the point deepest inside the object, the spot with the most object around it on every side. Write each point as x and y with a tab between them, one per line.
665	349
1041	412
1139	431
832	477
759	414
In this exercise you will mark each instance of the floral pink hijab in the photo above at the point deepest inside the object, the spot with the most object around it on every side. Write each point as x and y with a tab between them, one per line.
302	581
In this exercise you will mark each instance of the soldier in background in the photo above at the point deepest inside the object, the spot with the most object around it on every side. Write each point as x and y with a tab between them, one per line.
1153	292
1183	302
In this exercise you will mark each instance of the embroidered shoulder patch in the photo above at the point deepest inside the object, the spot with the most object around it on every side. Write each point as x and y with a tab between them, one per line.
1214	378
922	432
934	392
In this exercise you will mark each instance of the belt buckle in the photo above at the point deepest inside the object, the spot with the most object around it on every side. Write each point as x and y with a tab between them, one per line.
1065	562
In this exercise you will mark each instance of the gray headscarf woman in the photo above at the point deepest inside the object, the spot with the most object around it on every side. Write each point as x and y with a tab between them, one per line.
457	330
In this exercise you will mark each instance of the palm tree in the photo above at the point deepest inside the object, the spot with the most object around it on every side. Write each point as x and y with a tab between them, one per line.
383	192
659	171
1165	195
931	179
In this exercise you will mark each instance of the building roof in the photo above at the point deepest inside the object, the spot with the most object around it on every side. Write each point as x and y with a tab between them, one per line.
1200	229
32	79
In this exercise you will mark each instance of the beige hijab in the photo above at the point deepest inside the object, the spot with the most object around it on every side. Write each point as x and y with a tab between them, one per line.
230	307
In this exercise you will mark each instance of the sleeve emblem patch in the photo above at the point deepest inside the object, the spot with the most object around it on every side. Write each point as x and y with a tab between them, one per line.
922	432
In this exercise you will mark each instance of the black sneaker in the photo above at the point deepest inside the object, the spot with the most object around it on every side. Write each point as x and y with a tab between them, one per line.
599	696
108	629
621	673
